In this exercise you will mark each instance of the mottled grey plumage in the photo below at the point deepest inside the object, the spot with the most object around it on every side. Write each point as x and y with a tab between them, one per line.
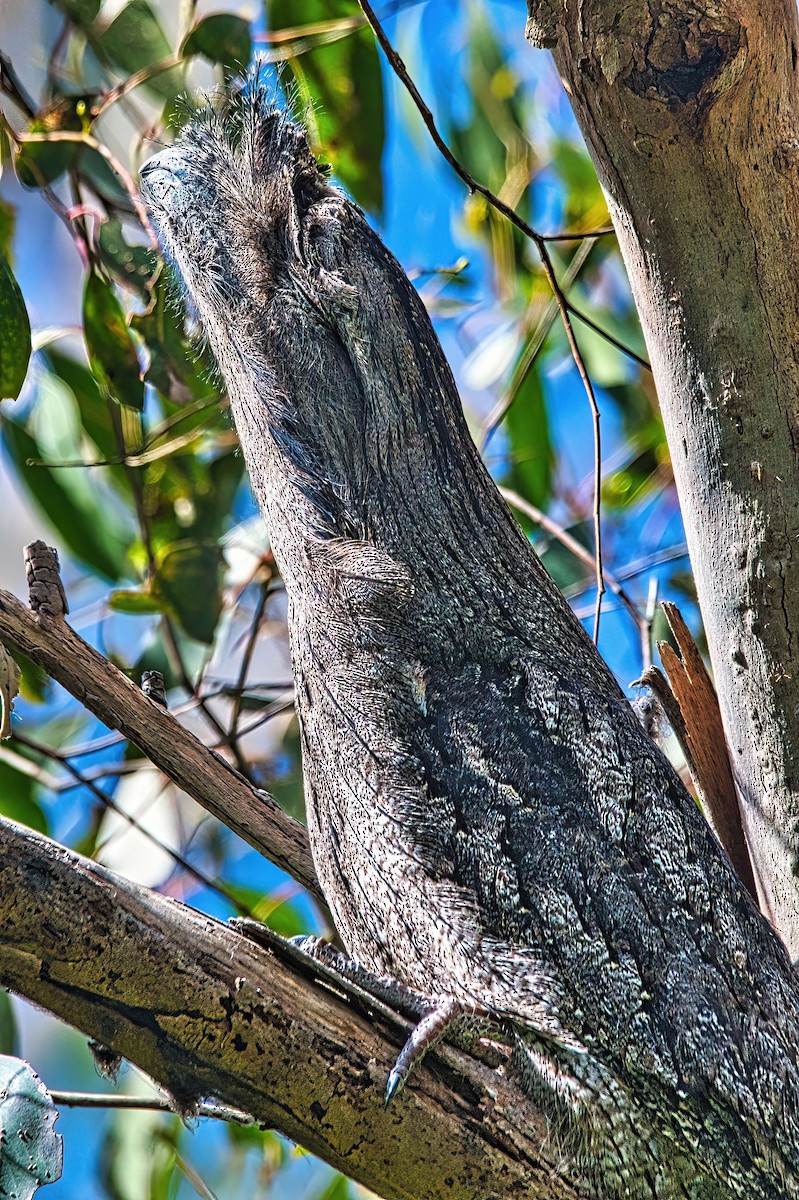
489	821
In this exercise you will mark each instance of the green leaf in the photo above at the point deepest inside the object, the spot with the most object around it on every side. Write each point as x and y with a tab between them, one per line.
15	334
187	584
8	217
32	1153
38	164
129	600
584	202
17	799
8	1025
93	407
93	532
82	12
133	266
112	353
337	1188
340	92
135	40
221	38
177	368
35	684
137	1162
41	162
530	445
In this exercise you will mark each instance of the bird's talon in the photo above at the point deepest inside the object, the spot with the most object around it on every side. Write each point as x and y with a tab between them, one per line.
395	1081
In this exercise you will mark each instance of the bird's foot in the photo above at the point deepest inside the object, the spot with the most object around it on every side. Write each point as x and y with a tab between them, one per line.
445	1016
435	1017
403	999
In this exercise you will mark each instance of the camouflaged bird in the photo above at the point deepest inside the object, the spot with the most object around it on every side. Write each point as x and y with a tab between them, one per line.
489	822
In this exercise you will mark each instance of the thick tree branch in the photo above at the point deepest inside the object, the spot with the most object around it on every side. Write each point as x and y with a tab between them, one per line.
207	1012
207	777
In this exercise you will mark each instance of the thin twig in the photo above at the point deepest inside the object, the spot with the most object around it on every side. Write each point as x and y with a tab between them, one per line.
540	242
246	659
605	231
133	81
608	337
530	353
81	780
218	1112
86	139
565	538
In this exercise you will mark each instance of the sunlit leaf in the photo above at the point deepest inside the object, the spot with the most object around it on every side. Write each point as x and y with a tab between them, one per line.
15	334
32	1152
187	582
131	601
221	38
342	83
112	353
583	199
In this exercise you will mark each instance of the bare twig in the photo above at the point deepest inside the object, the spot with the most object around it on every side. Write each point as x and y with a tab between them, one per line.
218	1112
565	538
81	779
531	351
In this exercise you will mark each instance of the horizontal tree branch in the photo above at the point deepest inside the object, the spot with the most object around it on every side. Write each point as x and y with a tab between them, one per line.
207	777
207	1012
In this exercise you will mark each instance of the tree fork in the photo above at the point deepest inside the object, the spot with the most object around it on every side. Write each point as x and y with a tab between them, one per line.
690	114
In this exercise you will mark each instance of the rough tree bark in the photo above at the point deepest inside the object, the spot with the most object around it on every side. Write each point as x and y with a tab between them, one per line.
691	112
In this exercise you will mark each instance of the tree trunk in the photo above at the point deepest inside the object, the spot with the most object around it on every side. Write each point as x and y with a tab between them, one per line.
690	112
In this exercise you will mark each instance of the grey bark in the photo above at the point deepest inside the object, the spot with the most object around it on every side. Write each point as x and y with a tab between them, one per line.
488	819
690	112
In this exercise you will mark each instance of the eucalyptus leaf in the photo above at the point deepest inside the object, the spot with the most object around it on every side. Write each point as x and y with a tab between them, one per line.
112	353
340	94
187	584
93	532
134	40
31	1152
222	38
15	334
529	442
